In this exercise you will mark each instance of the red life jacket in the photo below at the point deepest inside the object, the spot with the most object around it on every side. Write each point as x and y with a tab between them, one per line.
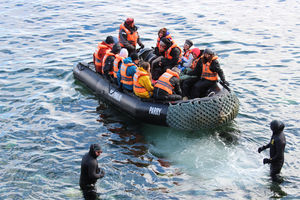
104	59
132	37
117	60
101	50
164	81
207	73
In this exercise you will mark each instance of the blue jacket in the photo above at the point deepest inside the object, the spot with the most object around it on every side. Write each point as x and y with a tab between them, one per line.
130	72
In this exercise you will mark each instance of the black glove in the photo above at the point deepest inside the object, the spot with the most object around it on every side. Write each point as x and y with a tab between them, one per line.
260	149
142	45
266	160
226	83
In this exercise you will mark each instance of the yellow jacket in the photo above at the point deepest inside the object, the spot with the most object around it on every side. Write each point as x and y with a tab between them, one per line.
145	82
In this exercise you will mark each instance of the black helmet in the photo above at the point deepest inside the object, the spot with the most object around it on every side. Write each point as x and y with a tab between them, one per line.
277	126
208	51
116	48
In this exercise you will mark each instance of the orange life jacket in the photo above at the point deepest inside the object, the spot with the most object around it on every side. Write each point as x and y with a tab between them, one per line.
194	64
137	88
167	53
158	39
117	60
101	50
132	37
187	54
164	81
207	73
104	59
128	80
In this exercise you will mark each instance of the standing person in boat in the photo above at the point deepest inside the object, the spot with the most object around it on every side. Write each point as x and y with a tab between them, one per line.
90	172
101	50
142	86
277	146
128	36
163	32
127	71
117	63
168	86
172	54
207	70
108	62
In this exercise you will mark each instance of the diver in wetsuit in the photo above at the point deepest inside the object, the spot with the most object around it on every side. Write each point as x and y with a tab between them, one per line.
90	172
277	146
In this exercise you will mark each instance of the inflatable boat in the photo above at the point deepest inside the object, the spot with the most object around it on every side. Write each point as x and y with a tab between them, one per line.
217	109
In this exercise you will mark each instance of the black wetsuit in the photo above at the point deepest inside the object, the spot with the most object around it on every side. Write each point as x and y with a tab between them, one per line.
277	146
90	173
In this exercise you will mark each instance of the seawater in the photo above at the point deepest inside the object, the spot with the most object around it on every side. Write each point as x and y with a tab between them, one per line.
48	119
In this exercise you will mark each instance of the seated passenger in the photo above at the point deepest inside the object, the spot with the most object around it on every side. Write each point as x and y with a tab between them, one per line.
171	52
118	61
168	86
126	72
108	62
194	54
161	33
207	71
101	50
142	86
187	58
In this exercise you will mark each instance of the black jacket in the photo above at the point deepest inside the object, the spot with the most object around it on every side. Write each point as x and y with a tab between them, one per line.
214	67
169	63
160	93
108	67
90	171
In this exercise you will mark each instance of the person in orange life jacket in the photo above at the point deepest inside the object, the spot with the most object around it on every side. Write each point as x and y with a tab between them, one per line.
108	62
207	70
277	146
168	86
194	54
188	81
128	36
117	63
90	172
172	53
163	32
101	50
127	71
187	58
142	86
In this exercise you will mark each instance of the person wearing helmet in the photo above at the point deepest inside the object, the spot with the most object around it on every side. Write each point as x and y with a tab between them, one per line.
277	146
108	62
207	71
128	36
90	172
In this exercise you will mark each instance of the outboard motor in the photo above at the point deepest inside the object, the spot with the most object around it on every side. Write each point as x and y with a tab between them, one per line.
147	54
